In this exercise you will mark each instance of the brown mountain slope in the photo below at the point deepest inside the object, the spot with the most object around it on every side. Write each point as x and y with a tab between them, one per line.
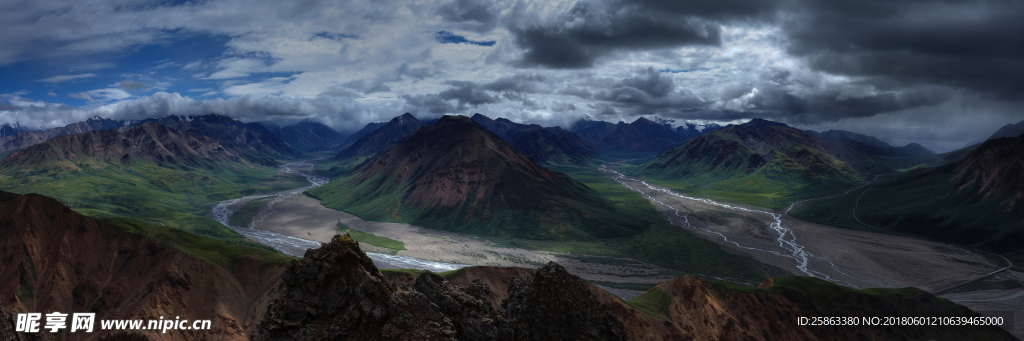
147	142
54	259
455	162
994	170
29	138
456	175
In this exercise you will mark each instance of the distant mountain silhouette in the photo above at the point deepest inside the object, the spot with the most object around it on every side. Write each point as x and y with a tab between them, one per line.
540	144
870	155
381	137
1009	130
253	140
22	138
150	141
640	136
309	136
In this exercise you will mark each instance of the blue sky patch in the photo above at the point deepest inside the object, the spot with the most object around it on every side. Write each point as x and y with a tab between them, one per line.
445	37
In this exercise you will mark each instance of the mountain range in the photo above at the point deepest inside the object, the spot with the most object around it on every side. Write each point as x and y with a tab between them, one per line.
16	139
164	171
642	136
308	136
153	142
540	144
251	139
262	141
11	130
771	164
336	292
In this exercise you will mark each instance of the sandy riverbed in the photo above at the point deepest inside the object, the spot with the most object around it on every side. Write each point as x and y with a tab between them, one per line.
304	217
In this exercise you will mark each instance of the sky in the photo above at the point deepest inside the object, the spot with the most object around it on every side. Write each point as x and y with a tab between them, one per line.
941	73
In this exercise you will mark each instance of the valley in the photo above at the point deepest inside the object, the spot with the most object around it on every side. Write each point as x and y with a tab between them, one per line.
855	258
292	222
458	170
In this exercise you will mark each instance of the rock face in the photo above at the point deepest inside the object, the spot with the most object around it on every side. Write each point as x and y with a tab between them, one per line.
54	259
555	305
336	293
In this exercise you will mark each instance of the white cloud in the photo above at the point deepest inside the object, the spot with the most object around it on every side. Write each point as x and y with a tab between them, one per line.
108	94
65	78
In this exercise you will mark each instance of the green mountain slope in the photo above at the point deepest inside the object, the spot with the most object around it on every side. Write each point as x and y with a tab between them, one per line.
762	163
870	156
149	172
977	201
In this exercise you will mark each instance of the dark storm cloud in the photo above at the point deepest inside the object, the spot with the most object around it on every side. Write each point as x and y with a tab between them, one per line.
466	94
779	94
646	92
473	15
594	29
517	84
432	104
831	104
650	82
977	45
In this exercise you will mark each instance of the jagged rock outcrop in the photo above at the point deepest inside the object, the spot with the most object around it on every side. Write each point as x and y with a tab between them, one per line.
336	293
555	305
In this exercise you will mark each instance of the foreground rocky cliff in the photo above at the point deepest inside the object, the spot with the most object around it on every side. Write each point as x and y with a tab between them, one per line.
53	259
336	293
